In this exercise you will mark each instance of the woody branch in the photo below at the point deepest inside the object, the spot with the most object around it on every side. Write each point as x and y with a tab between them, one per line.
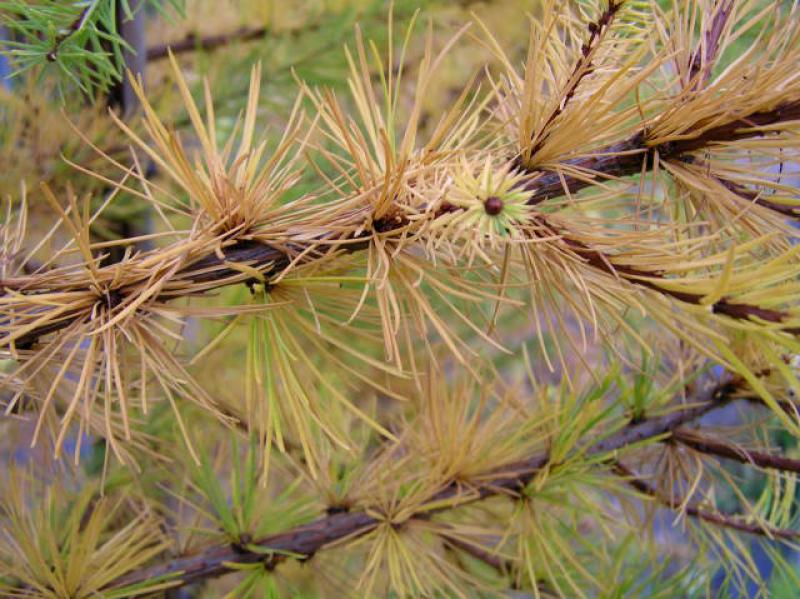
507	480
616	161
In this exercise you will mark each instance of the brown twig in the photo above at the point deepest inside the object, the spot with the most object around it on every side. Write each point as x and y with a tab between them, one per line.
755	197
582	68
724	520
703	58
509	479
711	446
625	158
706	53
193	42
732	130
480	553
790	406
649	280
502	565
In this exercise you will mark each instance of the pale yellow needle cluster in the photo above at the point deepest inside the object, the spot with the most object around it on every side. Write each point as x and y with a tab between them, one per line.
491	202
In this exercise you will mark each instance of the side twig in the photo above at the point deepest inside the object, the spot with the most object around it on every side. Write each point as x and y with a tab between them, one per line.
193	42
582	68
706	53
711	446
731	521
483	554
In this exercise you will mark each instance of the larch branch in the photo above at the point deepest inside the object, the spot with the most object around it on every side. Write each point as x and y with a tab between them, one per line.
707	52
582	68
509	479
721	519
616	161
480	553
712	446
649	280
751	195
194	42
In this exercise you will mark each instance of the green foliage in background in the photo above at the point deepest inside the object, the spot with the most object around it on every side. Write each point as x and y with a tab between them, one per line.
79	38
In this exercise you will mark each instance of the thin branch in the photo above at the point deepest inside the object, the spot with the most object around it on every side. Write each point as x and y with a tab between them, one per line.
733	130
755	197
582	68
649	280
480	553
625	158
193	42
702	62
711	446
503	566
723	520
510	479
706	53
790	406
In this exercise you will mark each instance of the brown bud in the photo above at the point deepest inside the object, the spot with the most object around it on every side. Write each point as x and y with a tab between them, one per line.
493	205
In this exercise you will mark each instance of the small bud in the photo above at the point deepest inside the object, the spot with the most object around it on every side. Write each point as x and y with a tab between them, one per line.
493	205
